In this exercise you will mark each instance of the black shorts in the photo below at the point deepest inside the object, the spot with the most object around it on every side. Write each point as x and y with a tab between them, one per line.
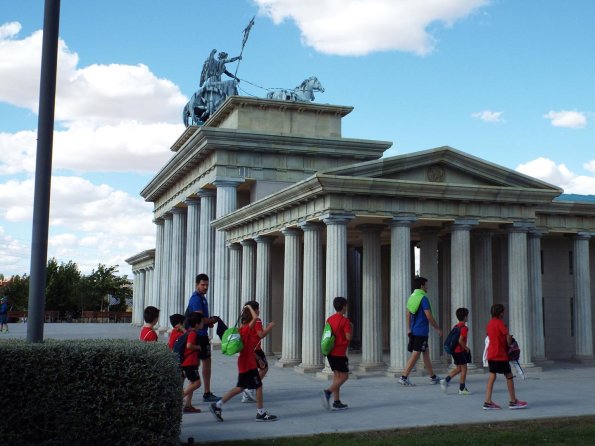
261	359
339	363
418	343
191	373
205	347
502	367
249	380
461	358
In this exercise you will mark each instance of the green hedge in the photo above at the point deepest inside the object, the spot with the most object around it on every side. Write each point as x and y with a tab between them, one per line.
89	392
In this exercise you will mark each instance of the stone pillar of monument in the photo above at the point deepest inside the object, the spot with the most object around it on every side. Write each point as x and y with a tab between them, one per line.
400	290
482	289
582	292
371	299
159	226
165	289
518	291
292	299
536	295
264	245
313	298
178	262
235	275
428	257
354	293
248	270
142	295
206	242
446	308
149	286
192	247
136	314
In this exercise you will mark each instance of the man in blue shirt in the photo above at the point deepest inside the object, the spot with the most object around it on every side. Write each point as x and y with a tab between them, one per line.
419	318
199	303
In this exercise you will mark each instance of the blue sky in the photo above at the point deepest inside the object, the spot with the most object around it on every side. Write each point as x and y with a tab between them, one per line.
508	81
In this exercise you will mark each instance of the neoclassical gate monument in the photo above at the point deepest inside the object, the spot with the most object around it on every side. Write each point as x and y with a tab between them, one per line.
271	202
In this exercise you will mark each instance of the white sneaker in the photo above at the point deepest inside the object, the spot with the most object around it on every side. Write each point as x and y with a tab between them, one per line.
247	397
444	385
405	382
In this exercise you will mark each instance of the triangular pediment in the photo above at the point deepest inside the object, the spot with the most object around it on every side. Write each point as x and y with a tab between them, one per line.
441	165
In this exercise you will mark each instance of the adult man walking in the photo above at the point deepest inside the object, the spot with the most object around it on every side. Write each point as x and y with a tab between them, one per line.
198	302
419	318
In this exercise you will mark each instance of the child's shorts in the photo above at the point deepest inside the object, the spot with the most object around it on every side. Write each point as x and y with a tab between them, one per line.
502	367
191	372
338	363
249	380
461	358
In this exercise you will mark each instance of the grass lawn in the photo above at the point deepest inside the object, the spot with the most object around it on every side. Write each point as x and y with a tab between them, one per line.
570	431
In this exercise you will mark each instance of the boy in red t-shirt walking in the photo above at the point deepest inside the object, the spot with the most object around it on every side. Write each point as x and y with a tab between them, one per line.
151	317
497	355
190	361
337	358
461	355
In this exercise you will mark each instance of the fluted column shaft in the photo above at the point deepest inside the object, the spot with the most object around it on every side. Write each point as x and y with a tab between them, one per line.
536	294
227	201
142	277
192	247
582	292
206	242
292	299
178	262
483	288
313	299
235	268
429	270
336	258
165	289
371	298
136	300
248	270
518	290
400	289
159	226
263	285
149	286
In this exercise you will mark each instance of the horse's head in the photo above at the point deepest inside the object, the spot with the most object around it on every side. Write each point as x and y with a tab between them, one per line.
315	84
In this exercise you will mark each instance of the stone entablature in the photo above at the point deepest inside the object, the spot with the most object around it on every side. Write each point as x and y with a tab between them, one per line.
142	260
565	217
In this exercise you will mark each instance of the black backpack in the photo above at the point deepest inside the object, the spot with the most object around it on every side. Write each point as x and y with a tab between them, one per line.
452	340
180	346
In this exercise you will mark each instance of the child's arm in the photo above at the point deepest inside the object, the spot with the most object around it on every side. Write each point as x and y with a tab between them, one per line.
408	321
264	332
349	334
254	316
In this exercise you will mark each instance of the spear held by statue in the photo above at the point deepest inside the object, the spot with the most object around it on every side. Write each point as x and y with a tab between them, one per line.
244	40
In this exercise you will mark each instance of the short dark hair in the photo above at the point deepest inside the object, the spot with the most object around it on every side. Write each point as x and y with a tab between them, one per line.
150	314
462	313
339	303
418	282
497	310
176	319
201	277
194	318
255	305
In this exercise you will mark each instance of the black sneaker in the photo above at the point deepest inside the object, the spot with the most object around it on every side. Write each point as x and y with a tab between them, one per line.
266	417
326	399
210	398
216	411
338	405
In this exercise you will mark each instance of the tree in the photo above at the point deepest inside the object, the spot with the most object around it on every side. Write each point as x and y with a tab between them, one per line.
103	282
17	290
62	287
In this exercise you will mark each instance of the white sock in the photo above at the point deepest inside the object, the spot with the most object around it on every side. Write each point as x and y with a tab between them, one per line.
219	404
261	411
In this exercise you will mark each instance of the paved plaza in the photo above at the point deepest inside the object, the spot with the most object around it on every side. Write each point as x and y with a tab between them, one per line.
375	403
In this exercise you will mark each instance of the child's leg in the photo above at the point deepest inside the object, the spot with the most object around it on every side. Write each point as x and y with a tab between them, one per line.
411	362
454	372
428	362
229	395
339	379
189	390
490	387
510	385
463	370
259	398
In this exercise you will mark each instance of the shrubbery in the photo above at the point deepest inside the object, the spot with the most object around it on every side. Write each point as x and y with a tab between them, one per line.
89	392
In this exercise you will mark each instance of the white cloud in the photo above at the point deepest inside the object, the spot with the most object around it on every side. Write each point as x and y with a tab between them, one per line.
359	27
567	119
488	116
559	175
590	166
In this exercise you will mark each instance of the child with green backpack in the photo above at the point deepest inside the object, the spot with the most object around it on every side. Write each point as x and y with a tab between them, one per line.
337	357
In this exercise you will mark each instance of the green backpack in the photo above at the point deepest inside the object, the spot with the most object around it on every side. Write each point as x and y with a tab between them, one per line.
327	342
231	342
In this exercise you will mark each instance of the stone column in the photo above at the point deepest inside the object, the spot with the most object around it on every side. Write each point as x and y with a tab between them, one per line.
536	295
354	272
460	279
192	247
482	289
313	298
206	242
445	294
136	300
248	270
400	290
142	276
165	289
178	262
371	299
159	224
235	268
263	285
227	202
582	293
518	290
292	300
149	286
429	270
336	258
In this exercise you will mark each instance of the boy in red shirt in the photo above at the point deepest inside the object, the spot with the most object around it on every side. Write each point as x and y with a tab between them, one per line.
461	355
497	355
177	322
151	317
190	361
337	358
248	376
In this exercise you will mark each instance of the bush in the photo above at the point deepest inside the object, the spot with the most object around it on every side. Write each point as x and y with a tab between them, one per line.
89	392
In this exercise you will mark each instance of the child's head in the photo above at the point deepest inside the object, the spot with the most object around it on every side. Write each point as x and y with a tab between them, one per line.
462	314
497	310
176	320
419	282
195	320
339	303
255	305
246	316
151	315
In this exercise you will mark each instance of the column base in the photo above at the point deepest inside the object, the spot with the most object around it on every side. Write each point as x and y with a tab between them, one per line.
394	372
307	368
325	374
371	367
287	363
585	359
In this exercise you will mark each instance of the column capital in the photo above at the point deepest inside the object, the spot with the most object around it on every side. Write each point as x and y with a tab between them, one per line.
402	220
371	228
192	201
311	226
463	224
247	242
535	232
265	239
227	182
518	226
234	246
158	221
178	210
337	218
582	236
205	193
288	232
167	215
